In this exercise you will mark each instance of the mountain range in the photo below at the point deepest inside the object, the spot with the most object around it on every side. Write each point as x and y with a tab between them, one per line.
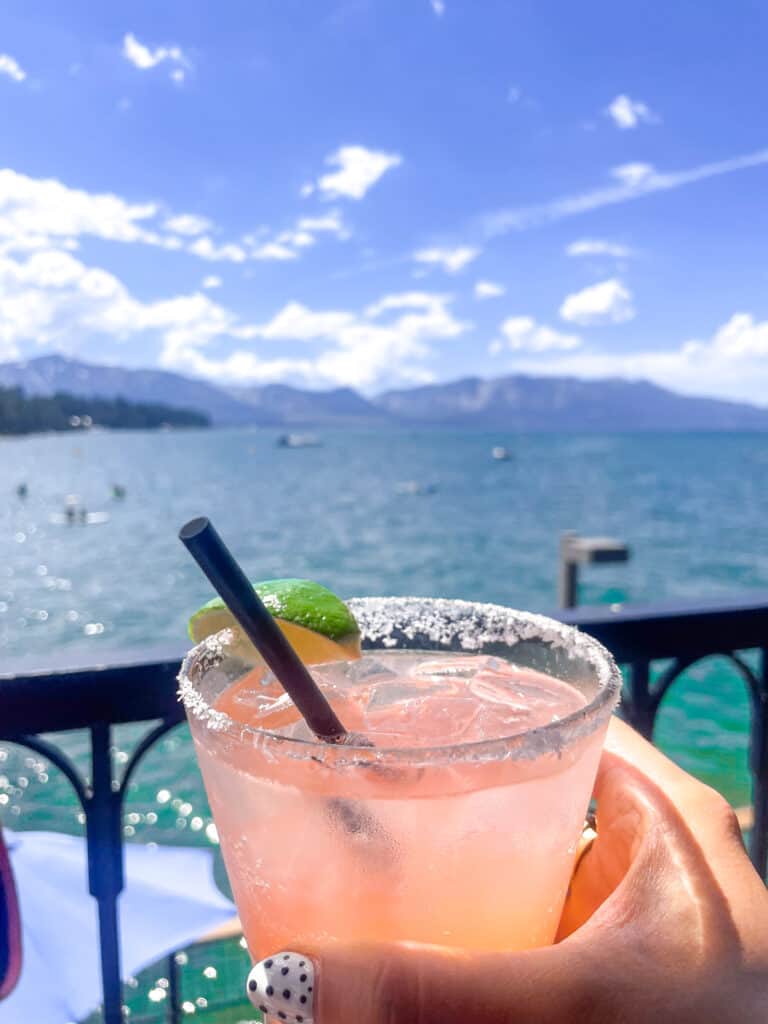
516	402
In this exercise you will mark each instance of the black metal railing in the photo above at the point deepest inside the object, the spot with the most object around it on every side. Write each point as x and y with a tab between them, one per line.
124	691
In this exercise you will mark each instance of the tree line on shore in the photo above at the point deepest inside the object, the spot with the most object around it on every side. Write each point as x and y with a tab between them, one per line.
28	414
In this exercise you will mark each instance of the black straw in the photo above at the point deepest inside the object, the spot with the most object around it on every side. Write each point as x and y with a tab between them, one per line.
228	579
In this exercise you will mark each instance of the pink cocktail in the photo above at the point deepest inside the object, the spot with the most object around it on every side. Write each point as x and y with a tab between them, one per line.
459	827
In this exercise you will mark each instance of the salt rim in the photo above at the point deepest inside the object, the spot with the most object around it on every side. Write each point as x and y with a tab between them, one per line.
421	623
468	626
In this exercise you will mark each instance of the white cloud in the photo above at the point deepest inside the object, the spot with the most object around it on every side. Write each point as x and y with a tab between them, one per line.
635	180
49	297
731	364
633	175
296	322
280	247
331	222
365	351
407	300
438	6
358	170
144	58
183	321
306	189
283	245
514	94
739	338
46	208
451	260
628	113
286	245
598	247
40	213
188	224
523	333
295	237
53	298
272	251
488	290
178	75
608	302
356	349
11	68
207	249
241	367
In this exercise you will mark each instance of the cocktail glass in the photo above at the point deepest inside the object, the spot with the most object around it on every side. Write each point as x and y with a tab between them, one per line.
466	845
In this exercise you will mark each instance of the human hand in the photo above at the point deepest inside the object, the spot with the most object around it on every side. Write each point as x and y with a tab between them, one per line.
666	920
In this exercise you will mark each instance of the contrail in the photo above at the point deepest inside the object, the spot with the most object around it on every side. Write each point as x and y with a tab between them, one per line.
635	181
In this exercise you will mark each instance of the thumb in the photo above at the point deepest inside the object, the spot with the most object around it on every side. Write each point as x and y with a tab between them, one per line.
667	845
384	984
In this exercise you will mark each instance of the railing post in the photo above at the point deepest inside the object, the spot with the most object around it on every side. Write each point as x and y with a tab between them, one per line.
567	573
105	866
576	551
640	709
758	763
174	990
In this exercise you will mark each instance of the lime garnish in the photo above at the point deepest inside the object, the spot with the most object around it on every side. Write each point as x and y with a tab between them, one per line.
317	623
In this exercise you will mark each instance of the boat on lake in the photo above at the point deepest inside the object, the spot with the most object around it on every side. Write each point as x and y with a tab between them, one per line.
415	487
298	441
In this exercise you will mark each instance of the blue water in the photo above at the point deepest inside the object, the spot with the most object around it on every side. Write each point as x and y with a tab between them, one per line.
692	507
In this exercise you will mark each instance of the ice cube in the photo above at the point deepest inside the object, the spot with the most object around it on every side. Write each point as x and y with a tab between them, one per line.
365	670
261	704
386	693
455	667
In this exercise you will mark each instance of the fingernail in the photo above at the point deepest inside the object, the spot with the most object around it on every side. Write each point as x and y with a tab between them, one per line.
282	986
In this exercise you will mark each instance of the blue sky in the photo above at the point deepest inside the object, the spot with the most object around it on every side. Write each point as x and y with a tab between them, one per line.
386	192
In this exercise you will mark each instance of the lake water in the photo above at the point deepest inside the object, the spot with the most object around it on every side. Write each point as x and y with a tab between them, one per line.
692	507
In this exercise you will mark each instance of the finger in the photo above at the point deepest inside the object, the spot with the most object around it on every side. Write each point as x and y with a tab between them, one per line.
625	815
627	744
373	984
665	842
636	779
283	986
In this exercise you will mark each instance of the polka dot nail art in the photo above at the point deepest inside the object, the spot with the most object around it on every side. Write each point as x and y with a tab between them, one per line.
282	987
